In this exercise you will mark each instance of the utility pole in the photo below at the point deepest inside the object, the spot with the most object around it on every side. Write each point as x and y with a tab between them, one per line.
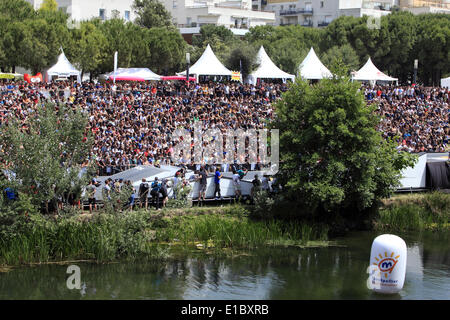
188	61
416	65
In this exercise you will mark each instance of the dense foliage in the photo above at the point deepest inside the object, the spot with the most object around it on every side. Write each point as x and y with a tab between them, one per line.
32	39
332	158
44	157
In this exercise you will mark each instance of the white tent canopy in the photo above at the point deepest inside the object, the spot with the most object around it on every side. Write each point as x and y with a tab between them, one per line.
208	65
371	73
134	74
445	83
63	69
267	69
312	68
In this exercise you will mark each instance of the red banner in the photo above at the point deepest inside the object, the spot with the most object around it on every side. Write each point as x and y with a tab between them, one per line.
33	79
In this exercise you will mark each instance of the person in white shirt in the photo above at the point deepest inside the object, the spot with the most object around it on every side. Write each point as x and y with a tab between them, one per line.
237	185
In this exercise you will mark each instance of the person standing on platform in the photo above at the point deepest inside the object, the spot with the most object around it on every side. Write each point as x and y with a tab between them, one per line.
217	177
143	193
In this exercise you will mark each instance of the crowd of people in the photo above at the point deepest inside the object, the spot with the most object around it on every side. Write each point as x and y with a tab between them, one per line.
419	116
132	122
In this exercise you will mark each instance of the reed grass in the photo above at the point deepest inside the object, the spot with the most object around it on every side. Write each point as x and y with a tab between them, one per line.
224	231
140	234
102	238
430	211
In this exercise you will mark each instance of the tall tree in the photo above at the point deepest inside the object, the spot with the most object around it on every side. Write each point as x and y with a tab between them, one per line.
90	44
333	161
167	49
344	53
16	10
210	33
46	153
242	58
151	13
49	5
432	47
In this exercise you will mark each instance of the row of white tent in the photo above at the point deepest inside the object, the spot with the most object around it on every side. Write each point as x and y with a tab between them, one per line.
209	65
311	68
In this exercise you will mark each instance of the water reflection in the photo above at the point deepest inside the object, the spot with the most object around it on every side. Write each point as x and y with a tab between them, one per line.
284	273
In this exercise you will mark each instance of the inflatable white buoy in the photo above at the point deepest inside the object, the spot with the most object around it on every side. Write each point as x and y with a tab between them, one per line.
387	264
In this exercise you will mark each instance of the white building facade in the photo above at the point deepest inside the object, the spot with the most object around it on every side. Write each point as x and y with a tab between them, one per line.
87	9
230	13
185	13
320	13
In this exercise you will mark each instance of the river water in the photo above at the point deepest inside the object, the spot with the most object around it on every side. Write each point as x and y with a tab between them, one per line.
335	272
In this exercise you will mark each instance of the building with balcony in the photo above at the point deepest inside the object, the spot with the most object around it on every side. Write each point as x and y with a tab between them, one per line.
425	6
237	14
80	10
313	13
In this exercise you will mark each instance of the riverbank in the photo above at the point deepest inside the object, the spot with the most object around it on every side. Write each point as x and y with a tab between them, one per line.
408	212
103	237
148	234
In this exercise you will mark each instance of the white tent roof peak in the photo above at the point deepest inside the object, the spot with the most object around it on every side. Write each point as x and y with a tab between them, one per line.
445	82
134	74
63	67
208	64
370	72
313	68
268	69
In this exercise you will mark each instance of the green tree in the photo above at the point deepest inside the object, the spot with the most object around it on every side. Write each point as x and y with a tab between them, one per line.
41	45
14	38
259	33
288	53
396	57
129	40
432	47
49	5
243	55
167	49
16	10
287	45
333	161
345	53
13	13
45	154
211	33
151	13
90	44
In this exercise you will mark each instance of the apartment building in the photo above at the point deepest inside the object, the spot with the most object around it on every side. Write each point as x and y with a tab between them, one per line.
319	13
80	10
425	6
236	14
187	15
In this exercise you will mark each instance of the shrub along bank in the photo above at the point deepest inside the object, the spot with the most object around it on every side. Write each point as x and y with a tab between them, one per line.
138	235
35	238
430	211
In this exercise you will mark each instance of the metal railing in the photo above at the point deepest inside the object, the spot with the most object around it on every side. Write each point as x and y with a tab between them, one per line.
307	24
323	23
291	12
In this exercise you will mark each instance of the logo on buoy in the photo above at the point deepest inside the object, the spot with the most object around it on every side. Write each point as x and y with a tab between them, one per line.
387	263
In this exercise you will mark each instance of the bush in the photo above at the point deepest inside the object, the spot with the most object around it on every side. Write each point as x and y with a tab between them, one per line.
438	204
103	238
416	212
332	159
264	205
